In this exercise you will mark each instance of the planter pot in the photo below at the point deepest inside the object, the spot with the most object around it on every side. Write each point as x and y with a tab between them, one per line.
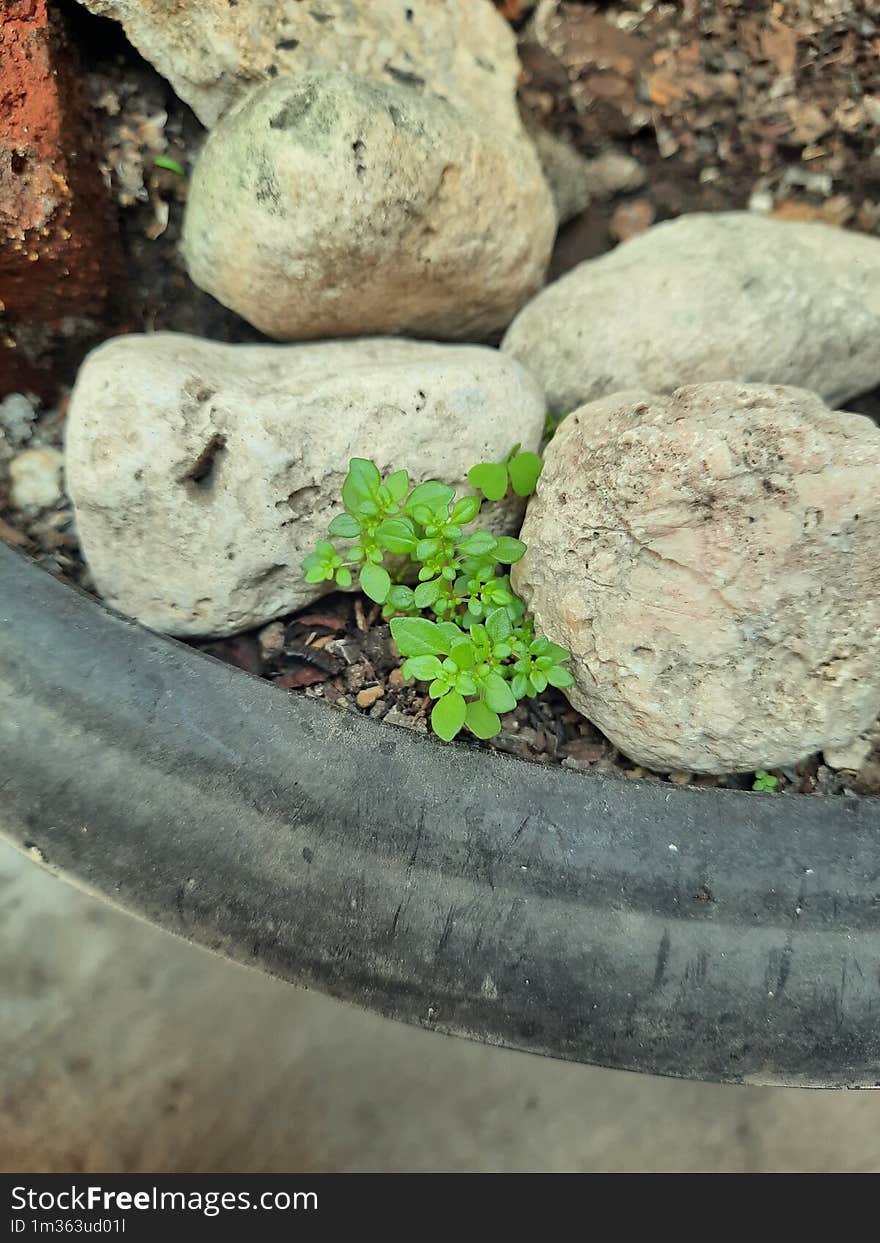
701	933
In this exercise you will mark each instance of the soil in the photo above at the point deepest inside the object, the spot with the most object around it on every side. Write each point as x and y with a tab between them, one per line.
747	103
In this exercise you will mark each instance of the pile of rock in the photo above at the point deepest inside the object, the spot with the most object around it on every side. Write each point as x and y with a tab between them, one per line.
704	538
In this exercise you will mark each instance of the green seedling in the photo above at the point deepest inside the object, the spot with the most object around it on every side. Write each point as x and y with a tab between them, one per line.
551	424
461	628
765	783
169	164
519	471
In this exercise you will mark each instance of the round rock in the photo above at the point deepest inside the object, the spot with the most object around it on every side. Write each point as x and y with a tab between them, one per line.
35	478
720	296
330	205
201	474
712	561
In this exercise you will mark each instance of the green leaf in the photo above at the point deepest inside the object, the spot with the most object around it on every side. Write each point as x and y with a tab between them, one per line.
524	471
519	685
538	680
345	525
478	544
463	655
499	696
438	688
559	677
465	684
448	716
416	636
375	582
432	494
490	478
343	577
316	574
452	634
425	668
481	720
557	654
426	548
397	535
498	625
508	550
165	161
465	510
361	483
426	593
397	484
400	597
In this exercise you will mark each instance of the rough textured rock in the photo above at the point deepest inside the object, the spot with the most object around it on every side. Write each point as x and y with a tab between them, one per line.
712	560
729	295
329	205
332	205
214	51
201	474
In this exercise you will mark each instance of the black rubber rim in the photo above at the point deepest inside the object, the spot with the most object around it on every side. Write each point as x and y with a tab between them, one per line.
706	934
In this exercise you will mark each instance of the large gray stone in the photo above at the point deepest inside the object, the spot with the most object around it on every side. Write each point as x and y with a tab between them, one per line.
730	295
213	51
329	205
712	561
202	474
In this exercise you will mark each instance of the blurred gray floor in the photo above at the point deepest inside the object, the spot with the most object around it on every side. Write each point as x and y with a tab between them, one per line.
122	1049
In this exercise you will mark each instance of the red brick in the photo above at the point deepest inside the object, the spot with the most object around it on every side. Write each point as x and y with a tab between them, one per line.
60	255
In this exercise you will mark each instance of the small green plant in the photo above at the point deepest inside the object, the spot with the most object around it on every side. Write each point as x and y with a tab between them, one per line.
765	783
551	424
462	629
169	164
518	470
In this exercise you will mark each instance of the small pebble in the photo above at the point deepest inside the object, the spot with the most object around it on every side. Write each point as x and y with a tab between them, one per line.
271	639
681	779
368	696
17	415
631	218
35	478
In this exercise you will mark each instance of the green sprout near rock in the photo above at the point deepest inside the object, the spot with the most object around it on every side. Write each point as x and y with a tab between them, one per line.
169	164
765	783
518	470
461	628
551	424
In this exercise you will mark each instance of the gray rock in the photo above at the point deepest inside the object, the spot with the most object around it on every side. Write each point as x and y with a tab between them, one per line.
329	205
730	295
567	172
612	173
201	474
17	415
213	52
712	561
